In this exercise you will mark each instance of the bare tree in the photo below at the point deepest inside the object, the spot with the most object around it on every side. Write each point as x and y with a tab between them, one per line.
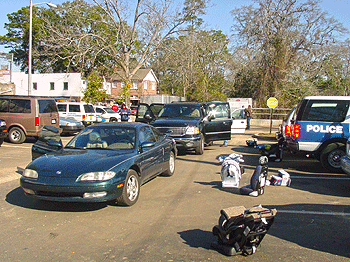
284	35
193	65
117	35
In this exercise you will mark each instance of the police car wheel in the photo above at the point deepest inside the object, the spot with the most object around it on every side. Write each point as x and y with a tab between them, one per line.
330	159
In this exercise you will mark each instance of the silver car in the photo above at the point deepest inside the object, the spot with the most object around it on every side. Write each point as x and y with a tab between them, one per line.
70	126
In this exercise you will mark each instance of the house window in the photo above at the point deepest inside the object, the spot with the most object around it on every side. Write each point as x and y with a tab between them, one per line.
121	85
35	86
52	86
65	85
114	84
134	84
153	85
145	85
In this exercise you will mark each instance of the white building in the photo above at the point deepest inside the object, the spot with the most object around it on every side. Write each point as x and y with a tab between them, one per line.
68	85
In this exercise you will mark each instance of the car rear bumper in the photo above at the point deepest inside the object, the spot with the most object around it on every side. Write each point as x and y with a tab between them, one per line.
71	129
3	133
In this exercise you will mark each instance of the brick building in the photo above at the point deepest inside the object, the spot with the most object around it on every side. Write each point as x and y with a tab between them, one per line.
144	82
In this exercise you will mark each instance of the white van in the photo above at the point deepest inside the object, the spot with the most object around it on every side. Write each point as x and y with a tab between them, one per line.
83	112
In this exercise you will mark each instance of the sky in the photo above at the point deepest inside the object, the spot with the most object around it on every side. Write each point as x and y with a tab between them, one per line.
217	16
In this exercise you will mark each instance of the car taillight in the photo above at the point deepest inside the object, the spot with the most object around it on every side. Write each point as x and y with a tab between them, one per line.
36	121
296	130
83	117
287	130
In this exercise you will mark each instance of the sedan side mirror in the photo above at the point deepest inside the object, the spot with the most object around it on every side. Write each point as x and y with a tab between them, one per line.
146	145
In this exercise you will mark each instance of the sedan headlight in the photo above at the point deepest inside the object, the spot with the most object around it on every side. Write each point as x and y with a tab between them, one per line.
2	123
30	173
97	176
192	130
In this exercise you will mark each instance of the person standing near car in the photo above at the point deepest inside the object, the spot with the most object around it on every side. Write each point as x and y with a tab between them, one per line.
124	113
248	113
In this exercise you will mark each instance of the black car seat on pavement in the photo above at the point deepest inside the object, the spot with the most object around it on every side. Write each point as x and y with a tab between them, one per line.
241	230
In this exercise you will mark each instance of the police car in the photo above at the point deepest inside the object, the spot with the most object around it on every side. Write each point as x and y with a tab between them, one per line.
320	127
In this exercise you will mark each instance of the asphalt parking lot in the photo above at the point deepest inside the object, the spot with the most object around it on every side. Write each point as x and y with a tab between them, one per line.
173	219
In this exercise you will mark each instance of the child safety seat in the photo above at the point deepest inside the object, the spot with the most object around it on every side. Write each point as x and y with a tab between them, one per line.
258	179
231	171
241	230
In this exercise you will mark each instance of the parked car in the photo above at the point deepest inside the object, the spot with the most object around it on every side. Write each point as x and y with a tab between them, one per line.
191	124
3	131
107	113
320	127
70	126
82	112
103	162
27	115
239	121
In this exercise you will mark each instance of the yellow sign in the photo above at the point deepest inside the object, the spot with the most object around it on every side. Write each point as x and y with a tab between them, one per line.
272	102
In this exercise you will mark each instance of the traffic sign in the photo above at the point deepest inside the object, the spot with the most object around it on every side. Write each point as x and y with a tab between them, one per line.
272	102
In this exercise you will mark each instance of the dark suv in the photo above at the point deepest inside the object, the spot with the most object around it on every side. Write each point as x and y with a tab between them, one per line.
192	125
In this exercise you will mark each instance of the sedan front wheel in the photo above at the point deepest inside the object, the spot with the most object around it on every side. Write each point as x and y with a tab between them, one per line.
131	189
171	165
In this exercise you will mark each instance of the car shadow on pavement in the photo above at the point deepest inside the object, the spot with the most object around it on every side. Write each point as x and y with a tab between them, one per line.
322	184
16	197
320	227
217	185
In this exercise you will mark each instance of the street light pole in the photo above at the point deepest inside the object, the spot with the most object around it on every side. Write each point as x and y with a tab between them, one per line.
30	41
30	47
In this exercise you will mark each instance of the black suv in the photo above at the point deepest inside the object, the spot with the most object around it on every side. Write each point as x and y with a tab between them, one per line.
192	125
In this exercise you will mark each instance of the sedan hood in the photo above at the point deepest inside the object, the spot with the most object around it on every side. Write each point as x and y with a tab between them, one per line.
72	162
177	122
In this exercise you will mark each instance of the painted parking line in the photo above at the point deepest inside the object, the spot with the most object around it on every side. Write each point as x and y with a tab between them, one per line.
320	177
303	212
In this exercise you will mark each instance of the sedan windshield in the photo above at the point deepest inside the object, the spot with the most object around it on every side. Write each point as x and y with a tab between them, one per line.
180	111
104	137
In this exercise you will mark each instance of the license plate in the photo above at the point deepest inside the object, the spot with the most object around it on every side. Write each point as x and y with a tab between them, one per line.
53	121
